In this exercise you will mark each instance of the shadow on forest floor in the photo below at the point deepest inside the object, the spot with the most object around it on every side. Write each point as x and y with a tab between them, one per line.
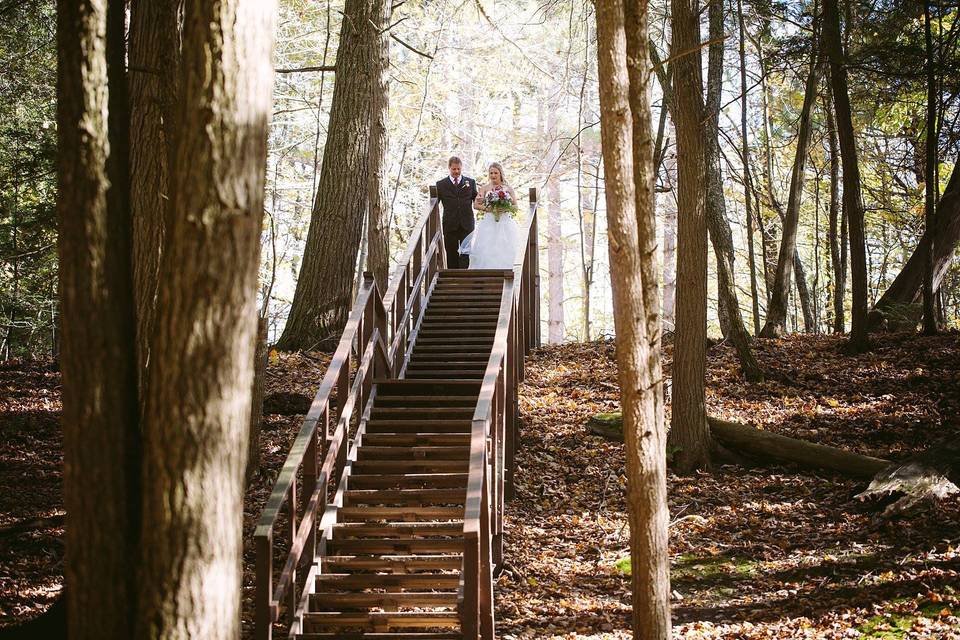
755	553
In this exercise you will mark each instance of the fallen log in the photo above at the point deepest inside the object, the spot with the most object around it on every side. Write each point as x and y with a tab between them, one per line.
765	444
931	475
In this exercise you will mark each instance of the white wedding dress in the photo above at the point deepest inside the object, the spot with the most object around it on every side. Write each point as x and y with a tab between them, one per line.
493	243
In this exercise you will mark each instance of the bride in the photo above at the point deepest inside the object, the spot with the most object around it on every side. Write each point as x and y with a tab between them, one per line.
495	240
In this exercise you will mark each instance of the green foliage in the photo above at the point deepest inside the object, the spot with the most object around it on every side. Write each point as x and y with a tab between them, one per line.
28	277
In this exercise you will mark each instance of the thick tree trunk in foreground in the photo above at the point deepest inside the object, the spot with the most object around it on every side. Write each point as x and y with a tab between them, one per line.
906	287
628	162
852	200
742	437
378	221
101	436
324	293
196	422
731	318
154	95
780	294
688	431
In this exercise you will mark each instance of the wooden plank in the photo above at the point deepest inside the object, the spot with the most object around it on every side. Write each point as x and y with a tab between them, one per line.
405	496
406	599
393	563
397	546
406	480
412	514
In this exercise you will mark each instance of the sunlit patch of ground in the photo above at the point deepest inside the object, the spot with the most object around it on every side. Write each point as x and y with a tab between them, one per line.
755	553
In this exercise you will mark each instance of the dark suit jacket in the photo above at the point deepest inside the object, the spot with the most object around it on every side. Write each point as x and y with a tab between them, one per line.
457	203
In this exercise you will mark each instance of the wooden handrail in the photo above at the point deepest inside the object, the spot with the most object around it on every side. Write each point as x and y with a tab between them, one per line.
379	327
383	331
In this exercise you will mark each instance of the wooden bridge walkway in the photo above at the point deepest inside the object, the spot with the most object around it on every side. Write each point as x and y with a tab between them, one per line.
386	521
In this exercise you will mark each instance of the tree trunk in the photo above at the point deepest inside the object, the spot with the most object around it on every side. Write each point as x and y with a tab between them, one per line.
689	431
803	292
731	319
780	294
669	318
101	434
764	444
747	181
905	288
930	183
853	202
628	161
154	94
378	223
838	250
324	293
196	423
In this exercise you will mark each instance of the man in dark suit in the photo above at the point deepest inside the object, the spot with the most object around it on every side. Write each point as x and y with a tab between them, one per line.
457	193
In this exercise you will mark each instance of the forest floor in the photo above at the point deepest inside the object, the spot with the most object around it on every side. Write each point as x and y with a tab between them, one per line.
766	552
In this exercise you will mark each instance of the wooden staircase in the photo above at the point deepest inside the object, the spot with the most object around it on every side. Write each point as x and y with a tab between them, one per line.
397	534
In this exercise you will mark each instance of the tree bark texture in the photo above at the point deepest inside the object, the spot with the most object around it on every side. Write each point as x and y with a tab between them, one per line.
628	161
852	199
378	223
689	431
555	319
324	292
731	318
155	27
197	414
98	349
906	287
780	294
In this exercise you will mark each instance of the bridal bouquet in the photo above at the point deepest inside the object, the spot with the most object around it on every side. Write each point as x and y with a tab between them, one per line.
498	201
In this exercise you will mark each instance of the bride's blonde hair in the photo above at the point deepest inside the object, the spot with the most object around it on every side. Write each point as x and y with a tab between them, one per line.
496	165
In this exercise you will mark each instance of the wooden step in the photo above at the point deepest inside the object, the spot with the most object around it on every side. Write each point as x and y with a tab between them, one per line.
464	344
409	413
423	374
346	530
392	563
469	356
379	620
449	387
407	481
370	452
473	274
389	601
418	426
416	440
455	364
353	497
395	514
410	466
395	546
428	401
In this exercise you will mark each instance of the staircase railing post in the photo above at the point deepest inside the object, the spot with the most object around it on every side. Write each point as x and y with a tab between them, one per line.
511	407
263	622
486	563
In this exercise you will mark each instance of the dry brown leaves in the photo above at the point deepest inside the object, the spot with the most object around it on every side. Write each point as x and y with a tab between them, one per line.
758	553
